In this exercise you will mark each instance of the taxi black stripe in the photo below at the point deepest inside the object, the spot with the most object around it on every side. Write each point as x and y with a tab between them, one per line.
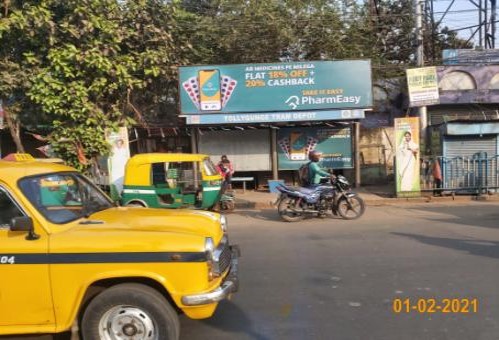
124	257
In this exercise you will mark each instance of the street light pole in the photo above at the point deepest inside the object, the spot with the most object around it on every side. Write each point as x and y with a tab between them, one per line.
423	115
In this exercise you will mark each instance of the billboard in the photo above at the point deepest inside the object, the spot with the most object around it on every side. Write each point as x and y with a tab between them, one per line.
423	86
296	86
470	57
407	156
294	144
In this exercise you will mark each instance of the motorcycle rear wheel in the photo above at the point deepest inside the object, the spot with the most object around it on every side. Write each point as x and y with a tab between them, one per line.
227	205
286	210
352	210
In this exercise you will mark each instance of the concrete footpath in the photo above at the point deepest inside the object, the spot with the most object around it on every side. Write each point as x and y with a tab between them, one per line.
372	195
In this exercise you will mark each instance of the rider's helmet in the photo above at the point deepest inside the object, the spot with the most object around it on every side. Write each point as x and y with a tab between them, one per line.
314	155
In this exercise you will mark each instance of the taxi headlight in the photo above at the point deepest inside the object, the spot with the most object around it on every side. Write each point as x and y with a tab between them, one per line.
209	249
224	224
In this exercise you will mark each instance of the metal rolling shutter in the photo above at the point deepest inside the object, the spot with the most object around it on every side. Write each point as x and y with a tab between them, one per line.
469	146
248	150
469	170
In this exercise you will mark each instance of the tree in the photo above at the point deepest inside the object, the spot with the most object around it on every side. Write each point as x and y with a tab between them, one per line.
20	35
98	65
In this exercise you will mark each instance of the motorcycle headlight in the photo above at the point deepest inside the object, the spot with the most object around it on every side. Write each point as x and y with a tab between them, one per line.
224	224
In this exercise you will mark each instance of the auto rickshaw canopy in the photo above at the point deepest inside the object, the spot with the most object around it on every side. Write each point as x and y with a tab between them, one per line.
138	168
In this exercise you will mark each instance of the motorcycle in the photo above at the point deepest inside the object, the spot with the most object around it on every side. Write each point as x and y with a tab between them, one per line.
227	201
294	203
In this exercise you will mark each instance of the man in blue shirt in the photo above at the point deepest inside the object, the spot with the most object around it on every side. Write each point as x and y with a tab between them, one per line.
315	173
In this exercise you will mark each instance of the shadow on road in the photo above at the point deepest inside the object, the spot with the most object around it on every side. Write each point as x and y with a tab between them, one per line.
484	248
273	215
464	215
263	214
231	319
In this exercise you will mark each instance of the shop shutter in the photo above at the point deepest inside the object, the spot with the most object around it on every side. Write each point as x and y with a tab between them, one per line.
463	165
248	150
469	146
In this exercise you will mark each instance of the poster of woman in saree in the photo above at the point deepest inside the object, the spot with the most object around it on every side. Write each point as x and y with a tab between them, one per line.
407	161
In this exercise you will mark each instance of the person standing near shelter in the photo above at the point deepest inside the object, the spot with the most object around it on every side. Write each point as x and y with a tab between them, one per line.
437	177
224	168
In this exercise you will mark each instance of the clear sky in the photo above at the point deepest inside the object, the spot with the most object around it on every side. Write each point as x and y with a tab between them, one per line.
462	14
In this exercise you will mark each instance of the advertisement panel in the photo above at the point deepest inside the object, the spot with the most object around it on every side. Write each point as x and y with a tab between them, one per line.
109	171
423	86
407	162
470	57
274	87
294	144
273	117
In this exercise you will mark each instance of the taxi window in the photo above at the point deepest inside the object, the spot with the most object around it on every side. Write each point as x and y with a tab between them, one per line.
64	197
8	209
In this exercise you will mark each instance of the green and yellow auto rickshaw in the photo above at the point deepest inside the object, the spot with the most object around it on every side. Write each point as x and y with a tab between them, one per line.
171	180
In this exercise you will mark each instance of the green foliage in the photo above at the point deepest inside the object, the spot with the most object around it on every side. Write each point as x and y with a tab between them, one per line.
88	66
83	67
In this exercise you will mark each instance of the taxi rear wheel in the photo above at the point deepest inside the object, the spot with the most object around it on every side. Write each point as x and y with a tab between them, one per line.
130	311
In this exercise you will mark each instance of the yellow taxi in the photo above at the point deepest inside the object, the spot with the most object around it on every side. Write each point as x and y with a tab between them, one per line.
71	259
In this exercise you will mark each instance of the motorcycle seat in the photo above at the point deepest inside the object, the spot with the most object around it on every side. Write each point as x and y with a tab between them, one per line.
306	191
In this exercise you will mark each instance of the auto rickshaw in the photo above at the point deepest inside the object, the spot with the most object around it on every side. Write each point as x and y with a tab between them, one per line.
171	180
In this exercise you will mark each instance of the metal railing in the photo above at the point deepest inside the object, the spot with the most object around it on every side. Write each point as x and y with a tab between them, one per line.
472	175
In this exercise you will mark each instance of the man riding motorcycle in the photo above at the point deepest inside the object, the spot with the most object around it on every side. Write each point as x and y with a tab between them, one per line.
316	175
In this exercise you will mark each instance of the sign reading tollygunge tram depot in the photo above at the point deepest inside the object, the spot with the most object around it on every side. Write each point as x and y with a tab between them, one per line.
297	86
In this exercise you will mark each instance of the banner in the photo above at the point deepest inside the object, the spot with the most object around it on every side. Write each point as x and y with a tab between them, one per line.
297	86
407	164
423	86
120	153
294	144
273	117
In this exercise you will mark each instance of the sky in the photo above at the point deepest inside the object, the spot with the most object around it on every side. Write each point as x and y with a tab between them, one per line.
462	13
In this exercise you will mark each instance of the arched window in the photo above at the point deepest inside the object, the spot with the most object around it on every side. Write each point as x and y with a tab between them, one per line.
494	82
457	80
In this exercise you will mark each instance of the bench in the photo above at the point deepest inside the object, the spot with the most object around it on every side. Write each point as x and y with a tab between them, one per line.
244	180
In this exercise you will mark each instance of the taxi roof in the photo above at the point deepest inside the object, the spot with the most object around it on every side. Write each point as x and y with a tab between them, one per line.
13	171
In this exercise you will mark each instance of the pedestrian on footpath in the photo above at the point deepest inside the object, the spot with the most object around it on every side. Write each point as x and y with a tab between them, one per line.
437	177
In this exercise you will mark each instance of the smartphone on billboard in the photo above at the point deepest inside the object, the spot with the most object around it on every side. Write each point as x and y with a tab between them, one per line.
298	142
210	94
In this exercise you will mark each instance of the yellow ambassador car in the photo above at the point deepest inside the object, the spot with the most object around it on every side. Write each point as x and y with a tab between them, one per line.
71	259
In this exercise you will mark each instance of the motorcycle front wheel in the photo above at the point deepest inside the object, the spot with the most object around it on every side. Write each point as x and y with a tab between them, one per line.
289	210
351	208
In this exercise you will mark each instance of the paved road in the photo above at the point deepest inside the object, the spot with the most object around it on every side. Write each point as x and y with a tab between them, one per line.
335	279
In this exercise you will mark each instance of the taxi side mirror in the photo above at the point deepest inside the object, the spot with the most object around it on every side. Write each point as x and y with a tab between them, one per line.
24	223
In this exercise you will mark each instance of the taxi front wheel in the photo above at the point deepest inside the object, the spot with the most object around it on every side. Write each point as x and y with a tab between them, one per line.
130	311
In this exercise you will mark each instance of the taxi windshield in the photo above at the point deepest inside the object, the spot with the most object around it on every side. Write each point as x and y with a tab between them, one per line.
64	197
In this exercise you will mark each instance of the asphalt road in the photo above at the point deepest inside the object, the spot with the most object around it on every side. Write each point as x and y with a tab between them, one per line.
335	279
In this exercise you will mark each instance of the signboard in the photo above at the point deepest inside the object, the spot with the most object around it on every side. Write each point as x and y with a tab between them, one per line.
407	156
470	57
297	86
294	144
423	86
273	117
109	171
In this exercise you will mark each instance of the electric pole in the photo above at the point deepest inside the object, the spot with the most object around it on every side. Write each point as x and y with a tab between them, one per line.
423	116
